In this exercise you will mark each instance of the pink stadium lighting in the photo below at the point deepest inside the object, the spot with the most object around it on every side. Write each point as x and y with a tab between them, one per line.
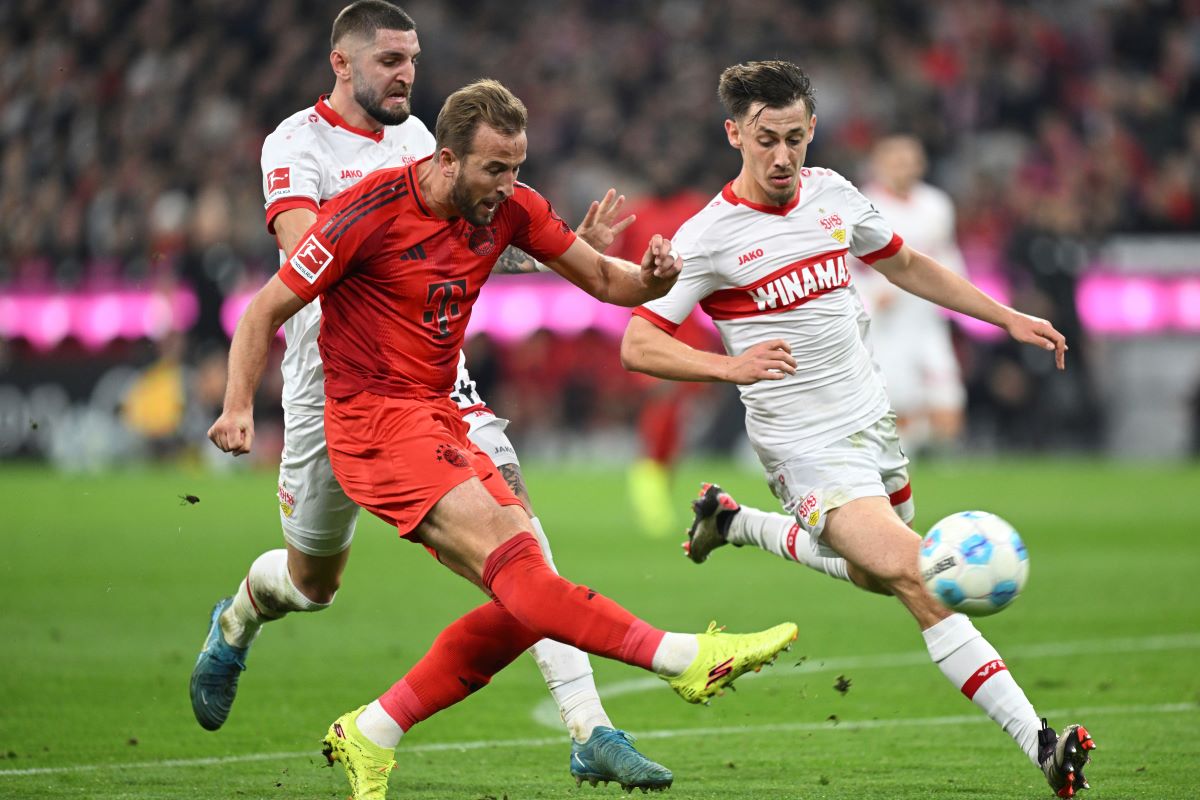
95	318
512	308
1185	297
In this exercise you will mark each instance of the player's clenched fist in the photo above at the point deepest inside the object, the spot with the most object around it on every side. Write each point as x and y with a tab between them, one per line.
660	264
233	432
770	361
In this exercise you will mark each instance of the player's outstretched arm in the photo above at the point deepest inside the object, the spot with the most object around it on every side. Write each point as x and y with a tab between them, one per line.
274	304
918	274
620	282
599	228
649	349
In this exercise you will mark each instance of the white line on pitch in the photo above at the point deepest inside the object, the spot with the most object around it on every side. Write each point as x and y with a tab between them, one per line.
545	712
674	733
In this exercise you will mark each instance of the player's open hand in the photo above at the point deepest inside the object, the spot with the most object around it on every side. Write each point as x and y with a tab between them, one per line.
233	432
660	265
599	227
1040	333
766	361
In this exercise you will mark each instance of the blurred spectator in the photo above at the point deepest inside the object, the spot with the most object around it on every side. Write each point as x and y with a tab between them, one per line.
130	130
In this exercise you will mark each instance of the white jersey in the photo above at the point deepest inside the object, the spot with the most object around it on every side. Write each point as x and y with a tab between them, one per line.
313	155
925	218
764	272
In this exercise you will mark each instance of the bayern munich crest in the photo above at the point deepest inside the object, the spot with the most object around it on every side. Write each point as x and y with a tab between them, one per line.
451	455
482	241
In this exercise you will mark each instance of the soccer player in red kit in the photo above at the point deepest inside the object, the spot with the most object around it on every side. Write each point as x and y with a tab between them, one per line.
398	261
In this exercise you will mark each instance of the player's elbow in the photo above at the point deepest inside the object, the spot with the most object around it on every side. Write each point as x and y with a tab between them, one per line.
633	350
629	352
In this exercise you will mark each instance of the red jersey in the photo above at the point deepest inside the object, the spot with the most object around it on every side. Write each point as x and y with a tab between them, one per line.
397	283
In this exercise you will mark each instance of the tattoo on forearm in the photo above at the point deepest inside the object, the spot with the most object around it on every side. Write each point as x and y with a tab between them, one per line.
512	476
514	262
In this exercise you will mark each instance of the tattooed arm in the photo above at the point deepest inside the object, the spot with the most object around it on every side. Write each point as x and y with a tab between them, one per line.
512	476
599	228
514	262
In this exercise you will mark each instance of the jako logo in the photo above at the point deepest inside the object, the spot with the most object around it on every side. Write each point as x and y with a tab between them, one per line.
748	257
351	173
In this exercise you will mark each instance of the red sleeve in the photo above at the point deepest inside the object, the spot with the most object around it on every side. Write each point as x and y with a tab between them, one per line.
315	264
887	251
657	320
287	204
330	247
545	236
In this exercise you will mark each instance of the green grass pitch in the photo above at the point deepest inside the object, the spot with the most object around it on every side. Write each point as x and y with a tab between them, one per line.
108	580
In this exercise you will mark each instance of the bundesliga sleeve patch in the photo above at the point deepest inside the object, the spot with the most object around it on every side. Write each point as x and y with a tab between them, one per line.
311	259
278	180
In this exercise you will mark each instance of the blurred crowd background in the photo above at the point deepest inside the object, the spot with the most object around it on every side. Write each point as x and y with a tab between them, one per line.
1066	131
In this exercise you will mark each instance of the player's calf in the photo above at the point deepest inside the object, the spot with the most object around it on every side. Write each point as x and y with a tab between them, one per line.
268	593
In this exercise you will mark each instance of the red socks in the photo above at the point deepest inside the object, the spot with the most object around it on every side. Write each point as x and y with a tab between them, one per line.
463	658
532	603
517	575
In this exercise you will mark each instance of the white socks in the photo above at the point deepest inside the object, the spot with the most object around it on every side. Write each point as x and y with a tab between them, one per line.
780	535
973	665
568	673
675	653
267	593
378	726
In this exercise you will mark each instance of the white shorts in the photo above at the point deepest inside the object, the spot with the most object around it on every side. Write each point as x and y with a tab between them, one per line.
869	463
922	372
487	432
317	516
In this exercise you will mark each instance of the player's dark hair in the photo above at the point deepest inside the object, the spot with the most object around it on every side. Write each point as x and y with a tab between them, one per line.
485	101
775	84
363	17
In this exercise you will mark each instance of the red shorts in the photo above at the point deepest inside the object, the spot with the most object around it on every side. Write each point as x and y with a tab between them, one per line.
397	458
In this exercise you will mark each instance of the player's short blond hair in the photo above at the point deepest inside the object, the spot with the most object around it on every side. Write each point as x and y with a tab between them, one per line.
486	102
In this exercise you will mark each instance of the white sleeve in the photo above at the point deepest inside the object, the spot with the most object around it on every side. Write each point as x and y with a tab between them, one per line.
870	236
291	174
697	280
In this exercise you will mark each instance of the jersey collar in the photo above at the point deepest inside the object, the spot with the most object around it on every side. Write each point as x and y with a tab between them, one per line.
415	183
335	119
782	210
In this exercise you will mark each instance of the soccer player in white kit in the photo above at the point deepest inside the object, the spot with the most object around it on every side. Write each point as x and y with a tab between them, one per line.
766	259
362	126
911	336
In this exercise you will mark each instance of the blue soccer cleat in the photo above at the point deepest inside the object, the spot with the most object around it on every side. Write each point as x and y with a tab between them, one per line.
609	755
215	676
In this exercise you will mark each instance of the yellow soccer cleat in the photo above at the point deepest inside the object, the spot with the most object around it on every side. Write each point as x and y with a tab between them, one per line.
724	657
367	764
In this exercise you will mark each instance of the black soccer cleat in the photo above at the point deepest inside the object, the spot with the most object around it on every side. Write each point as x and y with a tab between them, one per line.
713	510
1063	758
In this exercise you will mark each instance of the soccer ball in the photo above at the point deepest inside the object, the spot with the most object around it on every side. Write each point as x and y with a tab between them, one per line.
974	562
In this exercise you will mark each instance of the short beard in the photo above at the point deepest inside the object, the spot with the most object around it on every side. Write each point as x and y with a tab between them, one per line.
460	198
783	198
373	105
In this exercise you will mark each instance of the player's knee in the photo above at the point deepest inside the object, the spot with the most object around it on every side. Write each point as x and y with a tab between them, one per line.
317	579
320	590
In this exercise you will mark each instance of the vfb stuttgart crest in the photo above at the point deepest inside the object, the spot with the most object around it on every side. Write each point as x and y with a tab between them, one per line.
451	455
